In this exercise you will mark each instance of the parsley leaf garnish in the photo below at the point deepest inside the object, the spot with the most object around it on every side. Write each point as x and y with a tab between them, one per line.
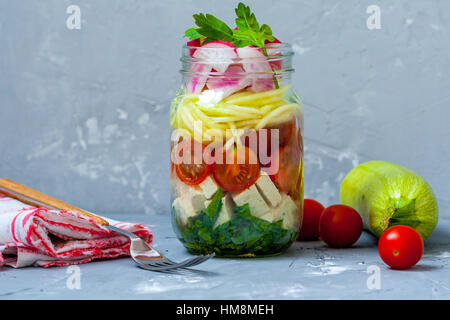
249	32
213	28
192	34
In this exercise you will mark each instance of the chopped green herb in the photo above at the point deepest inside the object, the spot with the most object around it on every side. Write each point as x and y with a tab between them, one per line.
244	233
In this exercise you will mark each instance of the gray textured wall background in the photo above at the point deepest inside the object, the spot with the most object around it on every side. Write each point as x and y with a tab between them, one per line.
84	113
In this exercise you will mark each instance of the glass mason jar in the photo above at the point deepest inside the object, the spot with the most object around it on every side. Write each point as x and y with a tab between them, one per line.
236	172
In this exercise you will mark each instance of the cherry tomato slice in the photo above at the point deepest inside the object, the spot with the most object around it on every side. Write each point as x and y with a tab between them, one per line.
191	170
239	171
340	226
400	247
286	134
287	159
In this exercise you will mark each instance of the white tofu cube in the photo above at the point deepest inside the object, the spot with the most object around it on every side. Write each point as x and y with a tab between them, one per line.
197	200
184	209
195	195
289	212
258	207
181	188
208	187
272	216
226	212
268	190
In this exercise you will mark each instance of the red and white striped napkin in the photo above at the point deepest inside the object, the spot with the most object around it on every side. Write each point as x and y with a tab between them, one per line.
31	236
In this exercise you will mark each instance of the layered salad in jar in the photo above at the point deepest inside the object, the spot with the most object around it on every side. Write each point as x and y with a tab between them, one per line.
236	144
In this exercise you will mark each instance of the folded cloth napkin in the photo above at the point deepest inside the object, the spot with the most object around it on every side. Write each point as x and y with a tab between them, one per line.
31	236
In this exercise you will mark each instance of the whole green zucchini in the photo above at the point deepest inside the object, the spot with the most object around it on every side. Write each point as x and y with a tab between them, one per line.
386	194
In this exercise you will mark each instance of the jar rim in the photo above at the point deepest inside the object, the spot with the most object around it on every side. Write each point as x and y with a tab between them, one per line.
276	53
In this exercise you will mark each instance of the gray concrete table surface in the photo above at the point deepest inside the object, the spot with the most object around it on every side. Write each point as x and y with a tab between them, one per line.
308	270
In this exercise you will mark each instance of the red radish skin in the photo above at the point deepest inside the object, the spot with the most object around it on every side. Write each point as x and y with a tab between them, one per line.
194	43
274	41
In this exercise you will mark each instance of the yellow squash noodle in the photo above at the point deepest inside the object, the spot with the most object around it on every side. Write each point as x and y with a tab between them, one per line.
242	110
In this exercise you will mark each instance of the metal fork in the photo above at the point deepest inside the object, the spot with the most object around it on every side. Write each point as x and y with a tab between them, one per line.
149	258
143	254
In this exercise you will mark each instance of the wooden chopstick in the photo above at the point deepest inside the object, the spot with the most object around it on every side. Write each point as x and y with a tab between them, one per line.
35	198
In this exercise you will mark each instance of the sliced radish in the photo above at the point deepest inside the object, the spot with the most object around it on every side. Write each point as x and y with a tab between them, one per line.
273	51
198	79
232	81
274	41
254	61
193	43
277	65
219	54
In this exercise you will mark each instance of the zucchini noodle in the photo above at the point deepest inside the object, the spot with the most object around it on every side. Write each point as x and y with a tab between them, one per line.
258	98
275	116
242	110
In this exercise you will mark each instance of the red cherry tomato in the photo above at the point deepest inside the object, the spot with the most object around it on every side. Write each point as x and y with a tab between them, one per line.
287	160
286	134
340	226
192	170
400	247
239	171
312	210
